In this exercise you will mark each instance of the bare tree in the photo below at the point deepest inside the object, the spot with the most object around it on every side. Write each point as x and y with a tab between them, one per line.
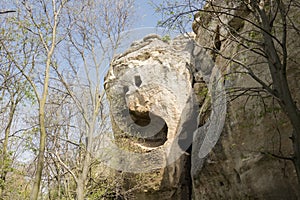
66	86
38	22
91	42
15	90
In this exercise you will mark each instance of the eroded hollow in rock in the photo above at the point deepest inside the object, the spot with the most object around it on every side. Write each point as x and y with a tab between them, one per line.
143	119
138	81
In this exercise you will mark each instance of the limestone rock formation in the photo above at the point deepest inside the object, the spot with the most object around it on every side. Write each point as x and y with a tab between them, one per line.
239	167
157	92
164	97
151	97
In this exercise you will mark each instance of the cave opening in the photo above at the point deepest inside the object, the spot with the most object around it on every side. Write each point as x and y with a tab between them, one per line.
143	119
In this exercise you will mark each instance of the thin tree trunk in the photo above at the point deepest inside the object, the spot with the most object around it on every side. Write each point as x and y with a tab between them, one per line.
296	145
277	67
43	134
87	152
5	156
42	145
42	103
80	189
81	183
293	113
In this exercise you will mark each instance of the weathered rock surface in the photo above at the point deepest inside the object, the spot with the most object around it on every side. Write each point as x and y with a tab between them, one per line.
159	97
238	167
153	111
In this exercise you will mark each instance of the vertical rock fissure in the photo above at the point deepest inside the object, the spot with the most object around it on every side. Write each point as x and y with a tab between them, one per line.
188	174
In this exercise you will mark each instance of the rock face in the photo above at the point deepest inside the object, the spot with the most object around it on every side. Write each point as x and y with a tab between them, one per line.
151	97
241	166
157	92
163	98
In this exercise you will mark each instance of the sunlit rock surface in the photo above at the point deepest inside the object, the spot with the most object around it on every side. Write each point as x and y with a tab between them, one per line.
161	103
151	96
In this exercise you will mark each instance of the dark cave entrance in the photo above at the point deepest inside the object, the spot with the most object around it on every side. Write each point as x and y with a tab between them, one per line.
143	119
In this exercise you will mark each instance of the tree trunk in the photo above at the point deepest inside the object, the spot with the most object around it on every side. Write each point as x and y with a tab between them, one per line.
296	143
40	161
80	189
277	66
82	180
81	183
5	156
83	176
293	114
42	103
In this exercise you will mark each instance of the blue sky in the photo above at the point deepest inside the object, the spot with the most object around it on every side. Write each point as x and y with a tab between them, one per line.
146	14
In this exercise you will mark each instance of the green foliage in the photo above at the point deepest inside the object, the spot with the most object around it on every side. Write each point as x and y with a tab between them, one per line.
166	38
203	92
159	23
6	162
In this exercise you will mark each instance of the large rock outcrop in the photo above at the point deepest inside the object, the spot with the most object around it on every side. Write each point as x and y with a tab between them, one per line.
154	114
163	98
157	91
241	166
